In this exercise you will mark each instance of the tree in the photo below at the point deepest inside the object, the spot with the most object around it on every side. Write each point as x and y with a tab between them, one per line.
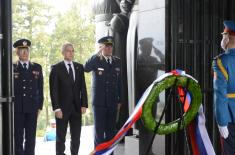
32	20
77	28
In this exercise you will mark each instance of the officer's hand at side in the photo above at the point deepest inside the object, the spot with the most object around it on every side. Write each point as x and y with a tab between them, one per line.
83	110
59	114
223	131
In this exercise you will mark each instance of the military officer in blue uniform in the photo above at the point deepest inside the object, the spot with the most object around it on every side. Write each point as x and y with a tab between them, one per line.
106	89
28	101
224	89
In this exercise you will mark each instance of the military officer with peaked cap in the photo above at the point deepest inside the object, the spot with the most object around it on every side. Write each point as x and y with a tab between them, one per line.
28	101
106	89
224	89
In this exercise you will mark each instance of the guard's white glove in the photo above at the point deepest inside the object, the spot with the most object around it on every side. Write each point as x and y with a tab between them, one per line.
223	131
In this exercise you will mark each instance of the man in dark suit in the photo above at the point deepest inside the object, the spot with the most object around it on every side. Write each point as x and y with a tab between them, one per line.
69	99
28	101
106	89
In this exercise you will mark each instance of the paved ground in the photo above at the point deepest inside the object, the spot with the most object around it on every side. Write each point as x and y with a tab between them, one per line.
86	146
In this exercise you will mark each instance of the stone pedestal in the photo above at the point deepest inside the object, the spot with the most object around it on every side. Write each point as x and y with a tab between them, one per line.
131	145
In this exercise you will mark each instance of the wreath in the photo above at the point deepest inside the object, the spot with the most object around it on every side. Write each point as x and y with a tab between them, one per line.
185	81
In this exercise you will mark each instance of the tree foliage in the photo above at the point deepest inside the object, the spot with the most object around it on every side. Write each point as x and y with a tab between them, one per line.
34	20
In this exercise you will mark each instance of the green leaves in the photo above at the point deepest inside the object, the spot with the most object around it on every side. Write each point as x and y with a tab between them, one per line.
48	30
169	81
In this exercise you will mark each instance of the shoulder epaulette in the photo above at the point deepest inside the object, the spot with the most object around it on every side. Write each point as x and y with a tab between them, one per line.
16	63
34	63
220	65
218	56
116	57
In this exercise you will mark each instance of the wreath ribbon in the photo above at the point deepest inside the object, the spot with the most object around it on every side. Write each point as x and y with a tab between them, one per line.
108	147
200	141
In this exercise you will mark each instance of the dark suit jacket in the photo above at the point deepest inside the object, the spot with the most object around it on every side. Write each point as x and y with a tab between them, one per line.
64	92
28	88
106	80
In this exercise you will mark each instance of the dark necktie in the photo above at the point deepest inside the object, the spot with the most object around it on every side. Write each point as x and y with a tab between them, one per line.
25	66
70	72
108	61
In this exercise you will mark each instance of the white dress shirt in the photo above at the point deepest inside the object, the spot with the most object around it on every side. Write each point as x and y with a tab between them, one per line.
72	66
27	64
109	57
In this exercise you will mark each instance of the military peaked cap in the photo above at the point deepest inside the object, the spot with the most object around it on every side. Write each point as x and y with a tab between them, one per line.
145	41
106	40
229	27
22	43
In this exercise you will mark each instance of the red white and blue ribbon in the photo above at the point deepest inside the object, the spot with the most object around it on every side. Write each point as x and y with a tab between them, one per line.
108	147
200	141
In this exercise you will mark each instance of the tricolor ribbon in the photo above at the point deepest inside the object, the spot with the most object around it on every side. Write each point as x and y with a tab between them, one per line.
200	141
107	147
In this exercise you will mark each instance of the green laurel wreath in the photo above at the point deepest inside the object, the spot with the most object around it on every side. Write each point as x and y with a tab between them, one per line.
167	82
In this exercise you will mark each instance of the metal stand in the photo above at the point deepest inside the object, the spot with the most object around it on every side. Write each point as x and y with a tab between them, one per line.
181	119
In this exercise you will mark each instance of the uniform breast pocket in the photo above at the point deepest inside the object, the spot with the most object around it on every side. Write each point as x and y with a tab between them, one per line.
117	71
16	75
116	75
35	74
100	72
17	83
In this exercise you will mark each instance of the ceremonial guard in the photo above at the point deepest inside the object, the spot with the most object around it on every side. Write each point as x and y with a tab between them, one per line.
106	89
28	101
224	89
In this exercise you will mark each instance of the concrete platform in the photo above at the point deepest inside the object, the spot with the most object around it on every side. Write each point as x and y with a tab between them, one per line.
86	146
131	146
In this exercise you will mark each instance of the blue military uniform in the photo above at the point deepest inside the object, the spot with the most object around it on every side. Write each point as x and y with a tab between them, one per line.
106	93
224	91
28	91
224	87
